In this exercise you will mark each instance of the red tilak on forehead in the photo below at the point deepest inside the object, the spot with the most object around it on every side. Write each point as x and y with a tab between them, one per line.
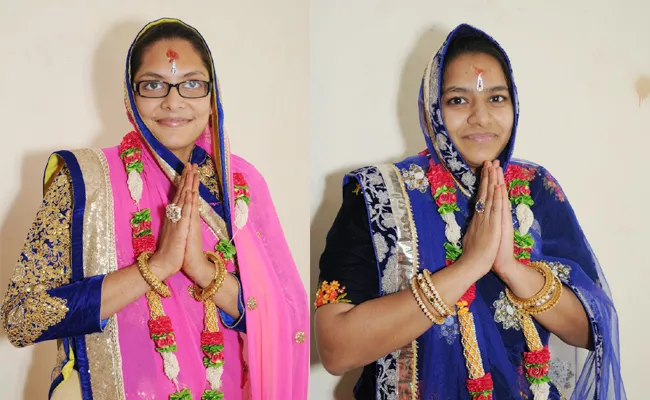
172	55
478	70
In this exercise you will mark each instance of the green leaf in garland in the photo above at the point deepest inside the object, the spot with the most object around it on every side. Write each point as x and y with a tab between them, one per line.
141	216
536	365
212	348
544	379
524	199
164	335
207	363
448	208
516	182
522	255
246	199
452	252
128	152
184	394
143	233
135	166
212	395
524	240
167	349
483	393
226	248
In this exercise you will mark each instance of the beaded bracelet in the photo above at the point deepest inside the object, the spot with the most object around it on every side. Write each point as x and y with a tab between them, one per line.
441	303
216	284
429	296
434	319
152	280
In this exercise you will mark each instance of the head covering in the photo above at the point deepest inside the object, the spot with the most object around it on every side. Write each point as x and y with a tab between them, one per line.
435	133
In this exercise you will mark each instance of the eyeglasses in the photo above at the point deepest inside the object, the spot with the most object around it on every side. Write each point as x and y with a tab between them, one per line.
192	89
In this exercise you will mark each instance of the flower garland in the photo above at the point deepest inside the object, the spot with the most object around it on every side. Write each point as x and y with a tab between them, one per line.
160	325
537	361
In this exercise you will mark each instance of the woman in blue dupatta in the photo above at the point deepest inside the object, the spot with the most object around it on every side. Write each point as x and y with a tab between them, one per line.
445	274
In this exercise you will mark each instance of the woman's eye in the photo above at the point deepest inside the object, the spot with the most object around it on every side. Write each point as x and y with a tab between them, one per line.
456	101
153	86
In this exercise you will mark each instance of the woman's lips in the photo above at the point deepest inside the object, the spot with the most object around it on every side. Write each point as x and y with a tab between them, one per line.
173	122
480	137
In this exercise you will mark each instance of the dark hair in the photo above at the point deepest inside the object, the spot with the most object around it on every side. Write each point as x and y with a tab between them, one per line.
477	44
166	31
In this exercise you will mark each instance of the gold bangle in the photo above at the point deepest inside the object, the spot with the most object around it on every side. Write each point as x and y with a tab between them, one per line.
152	280
216	284
430	297
425	310
540	297
552	302
546	299
447	310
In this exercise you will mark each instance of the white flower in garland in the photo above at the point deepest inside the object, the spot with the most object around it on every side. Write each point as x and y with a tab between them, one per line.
134	182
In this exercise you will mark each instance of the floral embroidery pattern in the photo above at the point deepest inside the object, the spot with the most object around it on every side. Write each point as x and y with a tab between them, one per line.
415	179
207	177
561	374
551	185
382	220
330	293
28	310
561	271
505	314
449	330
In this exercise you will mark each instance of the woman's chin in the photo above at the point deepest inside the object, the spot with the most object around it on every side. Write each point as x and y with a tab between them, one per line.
176	140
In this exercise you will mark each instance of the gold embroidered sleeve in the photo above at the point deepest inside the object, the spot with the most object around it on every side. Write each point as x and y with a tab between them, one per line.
28	310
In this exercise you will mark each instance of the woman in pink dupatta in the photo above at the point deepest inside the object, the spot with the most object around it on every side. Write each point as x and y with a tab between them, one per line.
78	279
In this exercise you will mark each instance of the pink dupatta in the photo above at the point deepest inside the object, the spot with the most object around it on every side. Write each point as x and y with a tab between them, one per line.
274	351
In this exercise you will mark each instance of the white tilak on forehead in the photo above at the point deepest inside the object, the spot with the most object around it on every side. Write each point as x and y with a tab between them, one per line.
479	83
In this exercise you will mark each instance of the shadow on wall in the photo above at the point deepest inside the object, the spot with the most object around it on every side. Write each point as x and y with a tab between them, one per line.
408	116
107	81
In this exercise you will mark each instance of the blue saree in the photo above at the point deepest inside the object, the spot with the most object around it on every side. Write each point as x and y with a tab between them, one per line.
408	235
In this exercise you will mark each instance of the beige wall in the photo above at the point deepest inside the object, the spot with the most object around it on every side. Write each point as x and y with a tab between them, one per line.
578	65
62	65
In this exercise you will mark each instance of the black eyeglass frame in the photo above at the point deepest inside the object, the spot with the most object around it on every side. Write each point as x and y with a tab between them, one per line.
136	89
